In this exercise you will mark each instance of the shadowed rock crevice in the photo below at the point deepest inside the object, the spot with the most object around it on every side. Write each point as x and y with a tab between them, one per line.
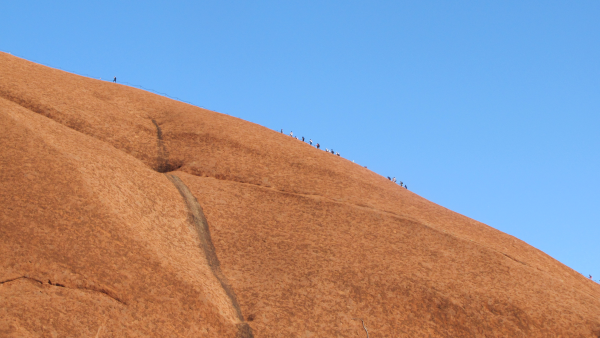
198	220
102	291
163	164
52	113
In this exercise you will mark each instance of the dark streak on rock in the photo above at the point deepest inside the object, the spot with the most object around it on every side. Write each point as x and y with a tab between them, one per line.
198	219
514	259
244	331
163	163
162	156
21	277
107	293
32	104
55	284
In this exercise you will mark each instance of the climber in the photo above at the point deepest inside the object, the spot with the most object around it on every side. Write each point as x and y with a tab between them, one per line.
291	133
310	141
302	138
115	80
394	180
318	146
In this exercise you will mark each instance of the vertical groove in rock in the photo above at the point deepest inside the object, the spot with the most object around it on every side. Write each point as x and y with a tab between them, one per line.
198	219
162	165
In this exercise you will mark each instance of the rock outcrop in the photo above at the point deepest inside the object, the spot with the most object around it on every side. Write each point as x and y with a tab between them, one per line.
125	213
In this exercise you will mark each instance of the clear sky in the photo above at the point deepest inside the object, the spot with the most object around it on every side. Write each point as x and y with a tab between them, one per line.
488	108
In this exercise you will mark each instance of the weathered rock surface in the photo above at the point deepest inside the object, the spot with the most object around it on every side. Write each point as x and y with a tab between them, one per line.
129	214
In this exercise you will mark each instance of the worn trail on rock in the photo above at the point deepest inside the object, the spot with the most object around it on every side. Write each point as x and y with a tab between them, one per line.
200	224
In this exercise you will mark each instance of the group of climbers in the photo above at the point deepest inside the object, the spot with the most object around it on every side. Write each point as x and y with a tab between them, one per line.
311	143
318	146
393	179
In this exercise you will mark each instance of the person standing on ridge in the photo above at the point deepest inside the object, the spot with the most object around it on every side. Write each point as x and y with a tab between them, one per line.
400	183
291	133
115	80
302	138
318	146
394	180
310	141
282	130
406	187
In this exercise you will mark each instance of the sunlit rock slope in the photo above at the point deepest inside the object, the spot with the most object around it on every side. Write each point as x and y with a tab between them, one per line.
127	214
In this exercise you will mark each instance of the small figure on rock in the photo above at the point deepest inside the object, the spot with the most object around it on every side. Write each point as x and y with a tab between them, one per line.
302	138
318	146
310	141
115	80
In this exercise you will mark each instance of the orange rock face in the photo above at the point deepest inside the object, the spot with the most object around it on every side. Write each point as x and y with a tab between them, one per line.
127	214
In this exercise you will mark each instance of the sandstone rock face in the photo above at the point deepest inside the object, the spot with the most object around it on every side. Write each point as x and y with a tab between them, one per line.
127	214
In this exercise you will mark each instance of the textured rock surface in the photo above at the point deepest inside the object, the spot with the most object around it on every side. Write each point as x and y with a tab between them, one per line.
128	214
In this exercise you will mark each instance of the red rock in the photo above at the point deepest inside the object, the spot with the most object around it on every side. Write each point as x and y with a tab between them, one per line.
129	214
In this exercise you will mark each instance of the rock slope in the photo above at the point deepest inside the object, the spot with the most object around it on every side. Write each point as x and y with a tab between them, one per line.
127	214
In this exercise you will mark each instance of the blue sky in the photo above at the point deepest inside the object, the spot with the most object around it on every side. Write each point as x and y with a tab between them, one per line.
487	108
